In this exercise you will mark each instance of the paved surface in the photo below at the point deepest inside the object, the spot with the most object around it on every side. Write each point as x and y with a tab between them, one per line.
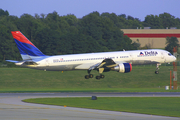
12	108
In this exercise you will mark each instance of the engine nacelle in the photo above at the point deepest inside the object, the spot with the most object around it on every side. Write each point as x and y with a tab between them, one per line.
123	68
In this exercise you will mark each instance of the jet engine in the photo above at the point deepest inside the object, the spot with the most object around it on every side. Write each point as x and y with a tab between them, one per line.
123	68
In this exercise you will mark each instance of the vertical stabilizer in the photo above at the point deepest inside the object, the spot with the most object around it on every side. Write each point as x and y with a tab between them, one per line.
27	49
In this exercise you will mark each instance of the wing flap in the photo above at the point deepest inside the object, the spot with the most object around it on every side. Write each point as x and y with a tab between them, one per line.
87	66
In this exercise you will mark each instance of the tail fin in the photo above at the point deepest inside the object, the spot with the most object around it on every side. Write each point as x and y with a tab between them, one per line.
26	48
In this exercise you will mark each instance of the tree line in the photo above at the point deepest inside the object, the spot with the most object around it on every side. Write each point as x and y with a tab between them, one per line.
54	34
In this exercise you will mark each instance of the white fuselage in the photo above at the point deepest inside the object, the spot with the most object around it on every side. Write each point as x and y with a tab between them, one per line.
85	61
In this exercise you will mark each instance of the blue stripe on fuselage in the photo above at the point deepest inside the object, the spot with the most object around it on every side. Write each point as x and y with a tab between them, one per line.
27	49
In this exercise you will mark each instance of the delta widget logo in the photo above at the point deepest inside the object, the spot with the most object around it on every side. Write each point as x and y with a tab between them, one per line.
141	53
148	53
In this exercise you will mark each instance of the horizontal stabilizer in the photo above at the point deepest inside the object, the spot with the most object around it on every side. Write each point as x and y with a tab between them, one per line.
12	61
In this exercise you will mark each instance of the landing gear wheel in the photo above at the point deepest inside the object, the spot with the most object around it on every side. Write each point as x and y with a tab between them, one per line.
157	68
102	76
97	77
156	72
87	76
90	75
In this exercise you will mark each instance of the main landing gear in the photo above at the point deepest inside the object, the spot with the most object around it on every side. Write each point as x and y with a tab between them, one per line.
91	76
97	77
157	68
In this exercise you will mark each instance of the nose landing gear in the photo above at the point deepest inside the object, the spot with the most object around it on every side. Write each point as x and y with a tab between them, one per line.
157	68
156	72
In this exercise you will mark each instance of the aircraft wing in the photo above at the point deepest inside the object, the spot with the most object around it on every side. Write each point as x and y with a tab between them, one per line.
109	64
106	63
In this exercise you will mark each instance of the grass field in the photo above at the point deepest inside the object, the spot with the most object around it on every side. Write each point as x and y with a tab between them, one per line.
141	79
165	106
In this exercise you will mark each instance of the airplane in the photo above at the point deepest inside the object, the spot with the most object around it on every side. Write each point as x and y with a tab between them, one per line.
120	61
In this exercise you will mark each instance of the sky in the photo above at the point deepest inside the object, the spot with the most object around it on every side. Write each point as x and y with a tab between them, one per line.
135	8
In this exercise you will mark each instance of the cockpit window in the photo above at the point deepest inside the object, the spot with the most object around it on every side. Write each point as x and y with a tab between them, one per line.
169	54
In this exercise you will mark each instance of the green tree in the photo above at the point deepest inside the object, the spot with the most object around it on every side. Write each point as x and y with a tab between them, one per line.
71	19
122	15
95	32
8	49
48	41
4	13
171	42
154	22
167	20
178	23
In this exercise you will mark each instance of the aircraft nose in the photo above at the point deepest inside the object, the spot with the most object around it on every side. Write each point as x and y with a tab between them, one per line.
174	58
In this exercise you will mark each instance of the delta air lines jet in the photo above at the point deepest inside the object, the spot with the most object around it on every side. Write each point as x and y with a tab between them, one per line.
120	61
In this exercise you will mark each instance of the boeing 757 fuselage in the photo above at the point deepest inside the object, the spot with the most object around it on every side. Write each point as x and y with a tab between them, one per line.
120	61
